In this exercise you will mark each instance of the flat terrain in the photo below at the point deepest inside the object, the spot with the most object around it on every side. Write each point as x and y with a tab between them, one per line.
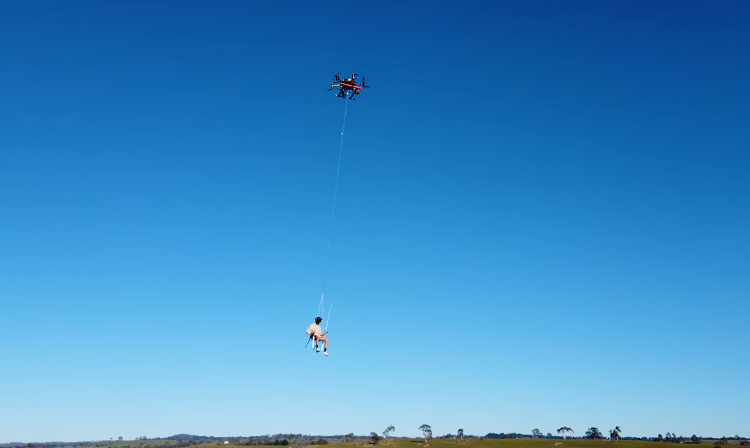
505	443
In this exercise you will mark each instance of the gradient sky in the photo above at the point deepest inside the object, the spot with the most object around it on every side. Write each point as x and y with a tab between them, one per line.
542	217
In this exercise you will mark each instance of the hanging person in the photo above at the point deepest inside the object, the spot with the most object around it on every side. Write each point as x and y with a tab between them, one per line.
317	335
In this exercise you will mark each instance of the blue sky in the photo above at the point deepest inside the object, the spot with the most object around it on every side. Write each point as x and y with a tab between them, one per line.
542	218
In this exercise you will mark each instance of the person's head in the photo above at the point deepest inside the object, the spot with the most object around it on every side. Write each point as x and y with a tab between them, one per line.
318	320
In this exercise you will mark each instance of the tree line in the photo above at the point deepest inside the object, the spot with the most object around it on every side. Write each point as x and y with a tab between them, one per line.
189	441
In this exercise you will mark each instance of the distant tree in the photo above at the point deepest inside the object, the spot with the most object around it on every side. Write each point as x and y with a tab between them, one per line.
696	440
564	430
426	431
535	433
659	438
722	441
375	438
460	435
292	438
593	433
549	435
322	441
349	437
614	434
387	431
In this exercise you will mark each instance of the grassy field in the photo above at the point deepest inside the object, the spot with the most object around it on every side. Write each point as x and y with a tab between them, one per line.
502	443
447	443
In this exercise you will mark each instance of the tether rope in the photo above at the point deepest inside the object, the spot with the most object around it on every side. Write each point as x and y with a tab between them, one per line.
333	209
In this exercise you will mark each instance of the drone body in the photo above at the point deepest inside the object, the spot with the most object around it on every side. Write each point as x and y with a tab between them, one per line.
348	87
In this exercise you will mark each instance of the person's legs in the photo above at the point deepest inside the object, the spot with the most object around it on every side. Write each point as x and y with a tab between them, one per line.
325	346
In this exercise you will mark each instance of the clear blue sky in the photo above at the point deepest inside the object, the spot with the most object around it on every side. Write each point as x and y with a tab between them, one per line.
542	217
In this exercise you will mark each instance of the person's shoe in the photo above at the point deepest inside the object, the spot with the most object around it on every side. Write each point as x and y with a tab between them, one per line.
317	349
325	353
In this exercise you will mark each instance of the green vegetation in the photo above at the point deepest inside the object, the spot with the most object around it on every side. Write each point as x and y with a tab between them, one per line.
592	439
495	443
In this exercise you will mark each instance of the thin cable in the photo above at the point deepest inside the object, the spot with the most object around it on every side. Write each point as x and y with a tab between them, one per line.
333	208
328	319
338	169
320	304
